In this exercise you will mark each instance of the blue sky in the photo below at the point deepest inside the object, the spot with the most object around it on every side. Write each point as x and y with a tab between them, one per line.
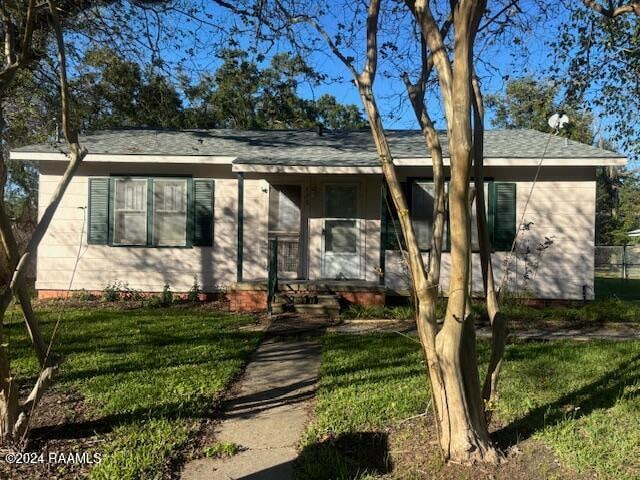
518	53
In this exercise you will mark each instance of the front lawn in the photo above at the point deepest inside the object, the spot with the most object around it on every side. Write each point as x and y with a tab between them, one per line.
580	399
606	310
148	377
611	287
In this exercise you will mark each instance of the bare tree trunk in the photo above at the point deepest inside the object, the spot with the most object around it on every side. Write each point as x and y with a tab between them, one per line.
496	318
450	353
14	418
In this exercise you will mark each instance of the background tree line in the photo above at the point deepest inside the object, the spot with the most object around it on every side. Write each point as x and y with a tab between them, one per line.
109	91
528	103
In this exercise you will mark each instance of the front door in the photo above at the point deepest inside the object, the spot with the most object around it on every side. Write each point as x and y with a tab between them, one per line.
285	222
341	233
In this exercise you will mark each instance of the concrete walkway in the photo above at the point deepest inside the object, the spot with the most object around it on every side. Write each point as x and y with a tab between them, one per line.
612	331
267	414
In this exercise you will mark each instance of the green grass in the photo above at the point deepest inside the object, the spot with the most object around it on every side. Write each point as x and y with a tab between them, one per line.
607	287
149	375
611	309
581	399
363	312
221	449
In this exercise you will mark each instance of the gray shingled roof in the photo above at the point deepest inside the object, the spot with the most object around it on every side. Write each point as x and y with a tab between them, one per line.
305	147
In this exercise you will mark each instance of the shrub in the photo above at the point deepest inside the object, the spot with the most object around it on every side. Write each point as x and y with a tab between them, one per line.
82	295
195	291
166	297
153	301
111	292
129	293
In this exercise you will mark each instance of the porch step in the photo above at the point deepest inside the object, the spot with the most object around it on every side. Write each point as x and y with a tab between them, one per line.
307	298
306	303
318	309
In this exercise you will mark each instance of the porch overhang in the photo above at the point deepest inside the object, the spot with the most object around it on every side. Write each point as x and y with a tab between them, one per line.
306	169
374	169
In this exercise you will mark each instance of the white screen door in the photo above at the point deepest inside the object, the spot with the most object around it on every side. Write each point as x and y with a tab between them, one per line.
341	233
284	225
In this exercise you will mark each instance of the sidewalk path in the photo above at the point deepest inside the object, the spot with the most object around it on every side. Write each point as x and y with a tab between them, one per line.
267	415
612	331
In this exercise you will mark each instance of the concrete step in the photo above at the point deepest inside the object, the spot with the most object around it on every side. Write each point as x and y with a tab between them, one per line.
317	309
307	298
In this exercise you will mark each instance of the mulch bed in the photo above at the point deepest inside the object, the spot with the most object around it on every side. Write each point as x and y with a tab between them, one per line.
414	453
62	424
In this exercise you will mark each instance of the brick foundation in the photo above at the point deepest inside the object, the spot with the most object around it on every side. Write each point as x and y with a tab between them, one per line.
62	294
51	294
247	300
363	298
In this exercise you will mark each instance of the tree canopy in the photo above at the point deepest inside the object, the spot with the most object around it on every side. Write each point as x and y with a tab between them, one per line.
110	91
598	53
528	103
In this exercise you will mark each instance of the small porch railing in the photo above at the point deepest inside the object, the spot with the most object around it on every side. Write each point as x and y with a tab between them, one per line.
272	274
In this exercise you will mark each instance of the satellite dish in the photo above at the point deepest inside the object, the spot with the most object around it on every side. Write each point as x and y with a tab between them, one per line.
558	121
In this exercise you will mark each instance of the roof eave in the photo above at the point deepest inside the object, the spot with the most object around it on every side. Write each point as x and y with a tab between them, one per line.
127	158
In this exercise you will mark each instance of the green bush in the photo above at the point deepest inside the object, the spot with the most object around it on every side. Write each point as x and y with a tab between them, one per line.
195	291
82	295
111	292
166	297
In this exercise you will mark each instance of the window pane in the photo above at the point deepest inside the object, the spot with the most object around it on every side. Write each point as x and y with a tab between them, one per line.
341	236
284	208
170	212
422	212
341	201
130	225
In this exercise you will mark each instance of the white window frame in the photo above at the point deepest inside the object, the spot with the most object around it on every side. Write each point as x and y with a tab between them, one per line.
117	210
185	210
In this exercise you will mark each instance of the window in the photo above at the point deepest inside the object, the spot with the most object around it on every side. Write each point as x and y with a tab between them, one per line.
422	202
150	211
130	212
169	212
500	203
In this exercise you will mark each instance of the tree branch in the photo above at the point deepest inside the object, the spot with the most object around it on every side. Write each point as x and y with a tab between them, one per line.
76	153
611	12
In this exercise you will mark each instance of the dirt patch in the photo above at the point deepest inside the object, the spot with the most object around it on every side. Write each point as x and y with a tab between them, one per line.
414	453
62	430
539	329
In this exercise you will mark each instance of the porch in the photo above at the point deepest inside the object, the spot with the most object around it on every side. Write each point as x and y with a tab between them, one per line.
321	297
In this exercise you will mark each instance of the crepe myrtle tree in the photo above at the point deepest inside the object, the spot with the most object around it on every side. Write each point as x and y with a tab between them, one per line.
23	25
447	47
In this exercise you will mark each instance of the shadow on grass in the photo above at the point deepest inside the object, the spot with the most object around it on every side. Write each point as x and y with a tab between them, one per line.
198	408
602	393
347	457
627	289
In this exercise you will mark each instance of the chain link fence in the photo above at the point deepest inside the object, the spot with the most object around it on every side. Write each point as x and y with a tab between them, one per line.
617	261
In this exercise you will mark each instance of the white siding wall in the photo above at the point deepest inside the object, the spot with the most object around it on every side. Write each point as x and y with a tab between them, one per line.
256	208
142	268
562	208
255	239
563	211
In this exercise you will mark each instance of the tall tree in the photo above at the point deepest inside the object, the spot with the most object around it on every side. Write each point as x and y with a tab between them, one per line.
528	103
20	24
241	94
114	92
447	40
598	47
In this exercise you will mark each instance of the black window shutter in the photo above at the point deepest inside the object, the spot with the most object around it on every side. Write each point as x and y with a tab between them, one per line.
203	191
502	215
98	211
